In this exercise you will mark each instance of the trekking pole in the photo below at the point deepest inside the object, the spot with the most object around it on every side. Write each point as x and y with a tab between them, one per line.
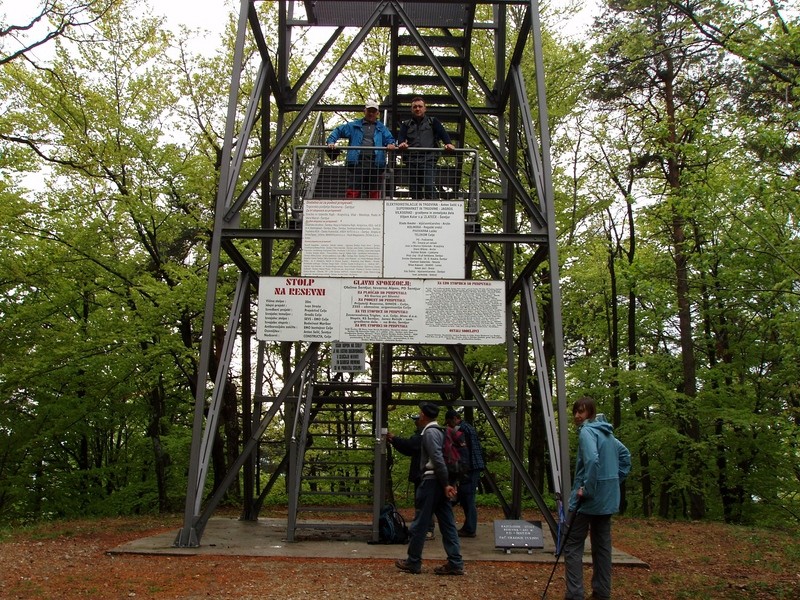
561	547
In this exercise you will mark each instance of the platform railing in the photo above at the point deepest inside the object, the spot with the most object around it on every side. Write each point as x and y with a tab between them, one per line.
319	171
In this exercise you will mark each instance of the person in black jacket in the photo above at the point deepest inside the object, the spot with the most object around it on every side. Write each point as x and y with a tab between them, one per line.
421	132
411	447
469	485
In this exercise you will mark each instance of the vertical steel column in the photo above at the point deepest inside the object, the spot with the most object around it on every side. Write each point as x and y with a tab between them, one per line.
552	244
379	450
187	535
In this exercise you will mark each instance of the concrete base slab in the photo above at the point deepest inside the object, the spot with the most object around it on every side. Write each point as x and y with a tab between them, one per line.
267	537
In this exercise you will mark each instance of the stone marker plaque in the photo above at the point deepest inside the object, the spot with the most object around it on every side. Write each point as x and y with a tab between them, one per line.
510	534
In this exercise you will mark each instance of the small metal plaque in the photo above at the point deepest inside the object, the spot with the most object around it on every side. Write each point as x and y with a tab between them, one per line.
509	534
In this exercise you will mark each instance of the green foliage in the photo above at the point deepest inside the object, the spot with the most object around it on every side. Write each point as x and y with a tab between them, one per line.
672	176
674	141
104	276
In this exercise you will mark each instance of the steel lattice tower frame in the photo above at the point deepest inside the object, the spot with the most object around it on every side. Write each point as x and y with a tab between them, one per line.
520	152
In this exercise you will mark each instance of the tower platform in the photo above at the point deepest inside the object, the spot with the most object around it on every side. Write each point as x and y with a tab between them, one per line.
230	536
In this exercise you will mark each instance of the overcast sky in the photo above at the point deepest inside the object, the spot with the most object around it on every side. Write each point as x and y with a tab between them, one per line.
201	14
208	15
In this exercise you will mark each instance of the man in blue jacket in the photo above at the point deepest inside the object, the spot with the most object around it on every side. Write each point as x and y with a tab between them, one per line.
365	168
603	462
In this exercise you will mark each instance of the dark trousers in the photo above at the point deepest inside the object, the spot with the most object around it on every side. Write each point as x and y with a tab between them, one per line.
364	177
466	498
421	176
599	529
430	500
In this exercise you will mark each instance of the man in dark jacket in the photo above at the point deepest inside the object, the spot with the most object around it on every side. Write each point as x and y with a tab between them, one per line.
411	447
433	497
469	484
603	462
421	132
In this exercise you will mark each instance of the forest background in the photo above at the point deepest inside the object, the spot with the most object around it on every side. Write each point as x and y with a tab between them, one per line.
676	145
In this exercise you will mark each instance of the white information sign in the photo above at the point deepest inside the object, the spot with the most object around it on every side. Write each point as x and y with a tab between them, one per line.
291	309
467	311
382	310
342	238
424	239
348	357
418	311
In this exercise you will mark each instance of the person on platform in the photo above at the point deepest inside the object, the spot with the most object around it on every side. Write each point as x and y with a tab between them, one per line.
422	132
364	168
433	496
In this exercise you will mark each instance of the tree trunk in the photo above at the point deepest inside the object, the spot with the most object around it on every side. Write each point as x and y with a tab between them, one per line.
688	423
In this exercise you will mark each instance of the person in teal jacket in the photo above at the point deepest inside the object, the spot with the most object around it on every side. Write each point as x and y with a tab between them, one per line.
603	462
365	168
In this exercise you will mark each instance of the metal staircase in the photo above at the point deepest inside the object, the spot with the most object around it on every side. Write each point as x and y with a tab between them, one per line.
332	454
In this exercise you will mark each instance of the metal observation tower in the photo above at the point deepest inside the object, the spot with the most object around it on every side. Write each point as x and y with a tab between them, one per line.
372	304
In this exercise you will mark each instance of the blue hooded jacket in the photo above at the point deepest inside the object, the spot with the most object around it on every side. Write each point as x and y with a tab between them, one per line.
354	132
603	462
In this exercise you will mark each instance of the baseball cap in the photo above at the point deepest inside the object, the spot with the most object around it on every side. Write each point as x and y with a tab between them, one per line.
372	104
430	409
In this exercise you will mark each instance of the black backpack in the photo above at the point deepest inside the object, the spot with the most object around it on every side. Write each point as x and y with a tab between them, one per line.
392	526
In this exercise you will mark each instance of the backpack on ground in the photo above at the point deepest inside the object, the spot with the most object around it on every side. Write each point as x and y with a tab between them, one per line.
392	527
455	453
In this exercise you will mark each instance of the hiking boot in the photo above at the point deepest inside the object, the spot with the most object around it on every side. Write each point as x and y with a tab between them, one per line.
406	566
448	569
466	534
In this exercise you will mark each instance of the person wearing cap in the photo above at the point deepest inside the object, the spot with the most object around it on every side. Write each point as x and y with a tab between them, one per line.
365	168
469	485
422	134
433	497
411	447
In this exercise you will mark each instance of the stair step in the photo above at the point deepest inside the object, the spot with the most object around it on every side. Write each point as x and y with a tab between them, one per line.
322	435
433	41
365	493
362	404
437	100
349	423
346	463
410	357
423	80
336	509
419	60
345	385
433	388
328	526
334	478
